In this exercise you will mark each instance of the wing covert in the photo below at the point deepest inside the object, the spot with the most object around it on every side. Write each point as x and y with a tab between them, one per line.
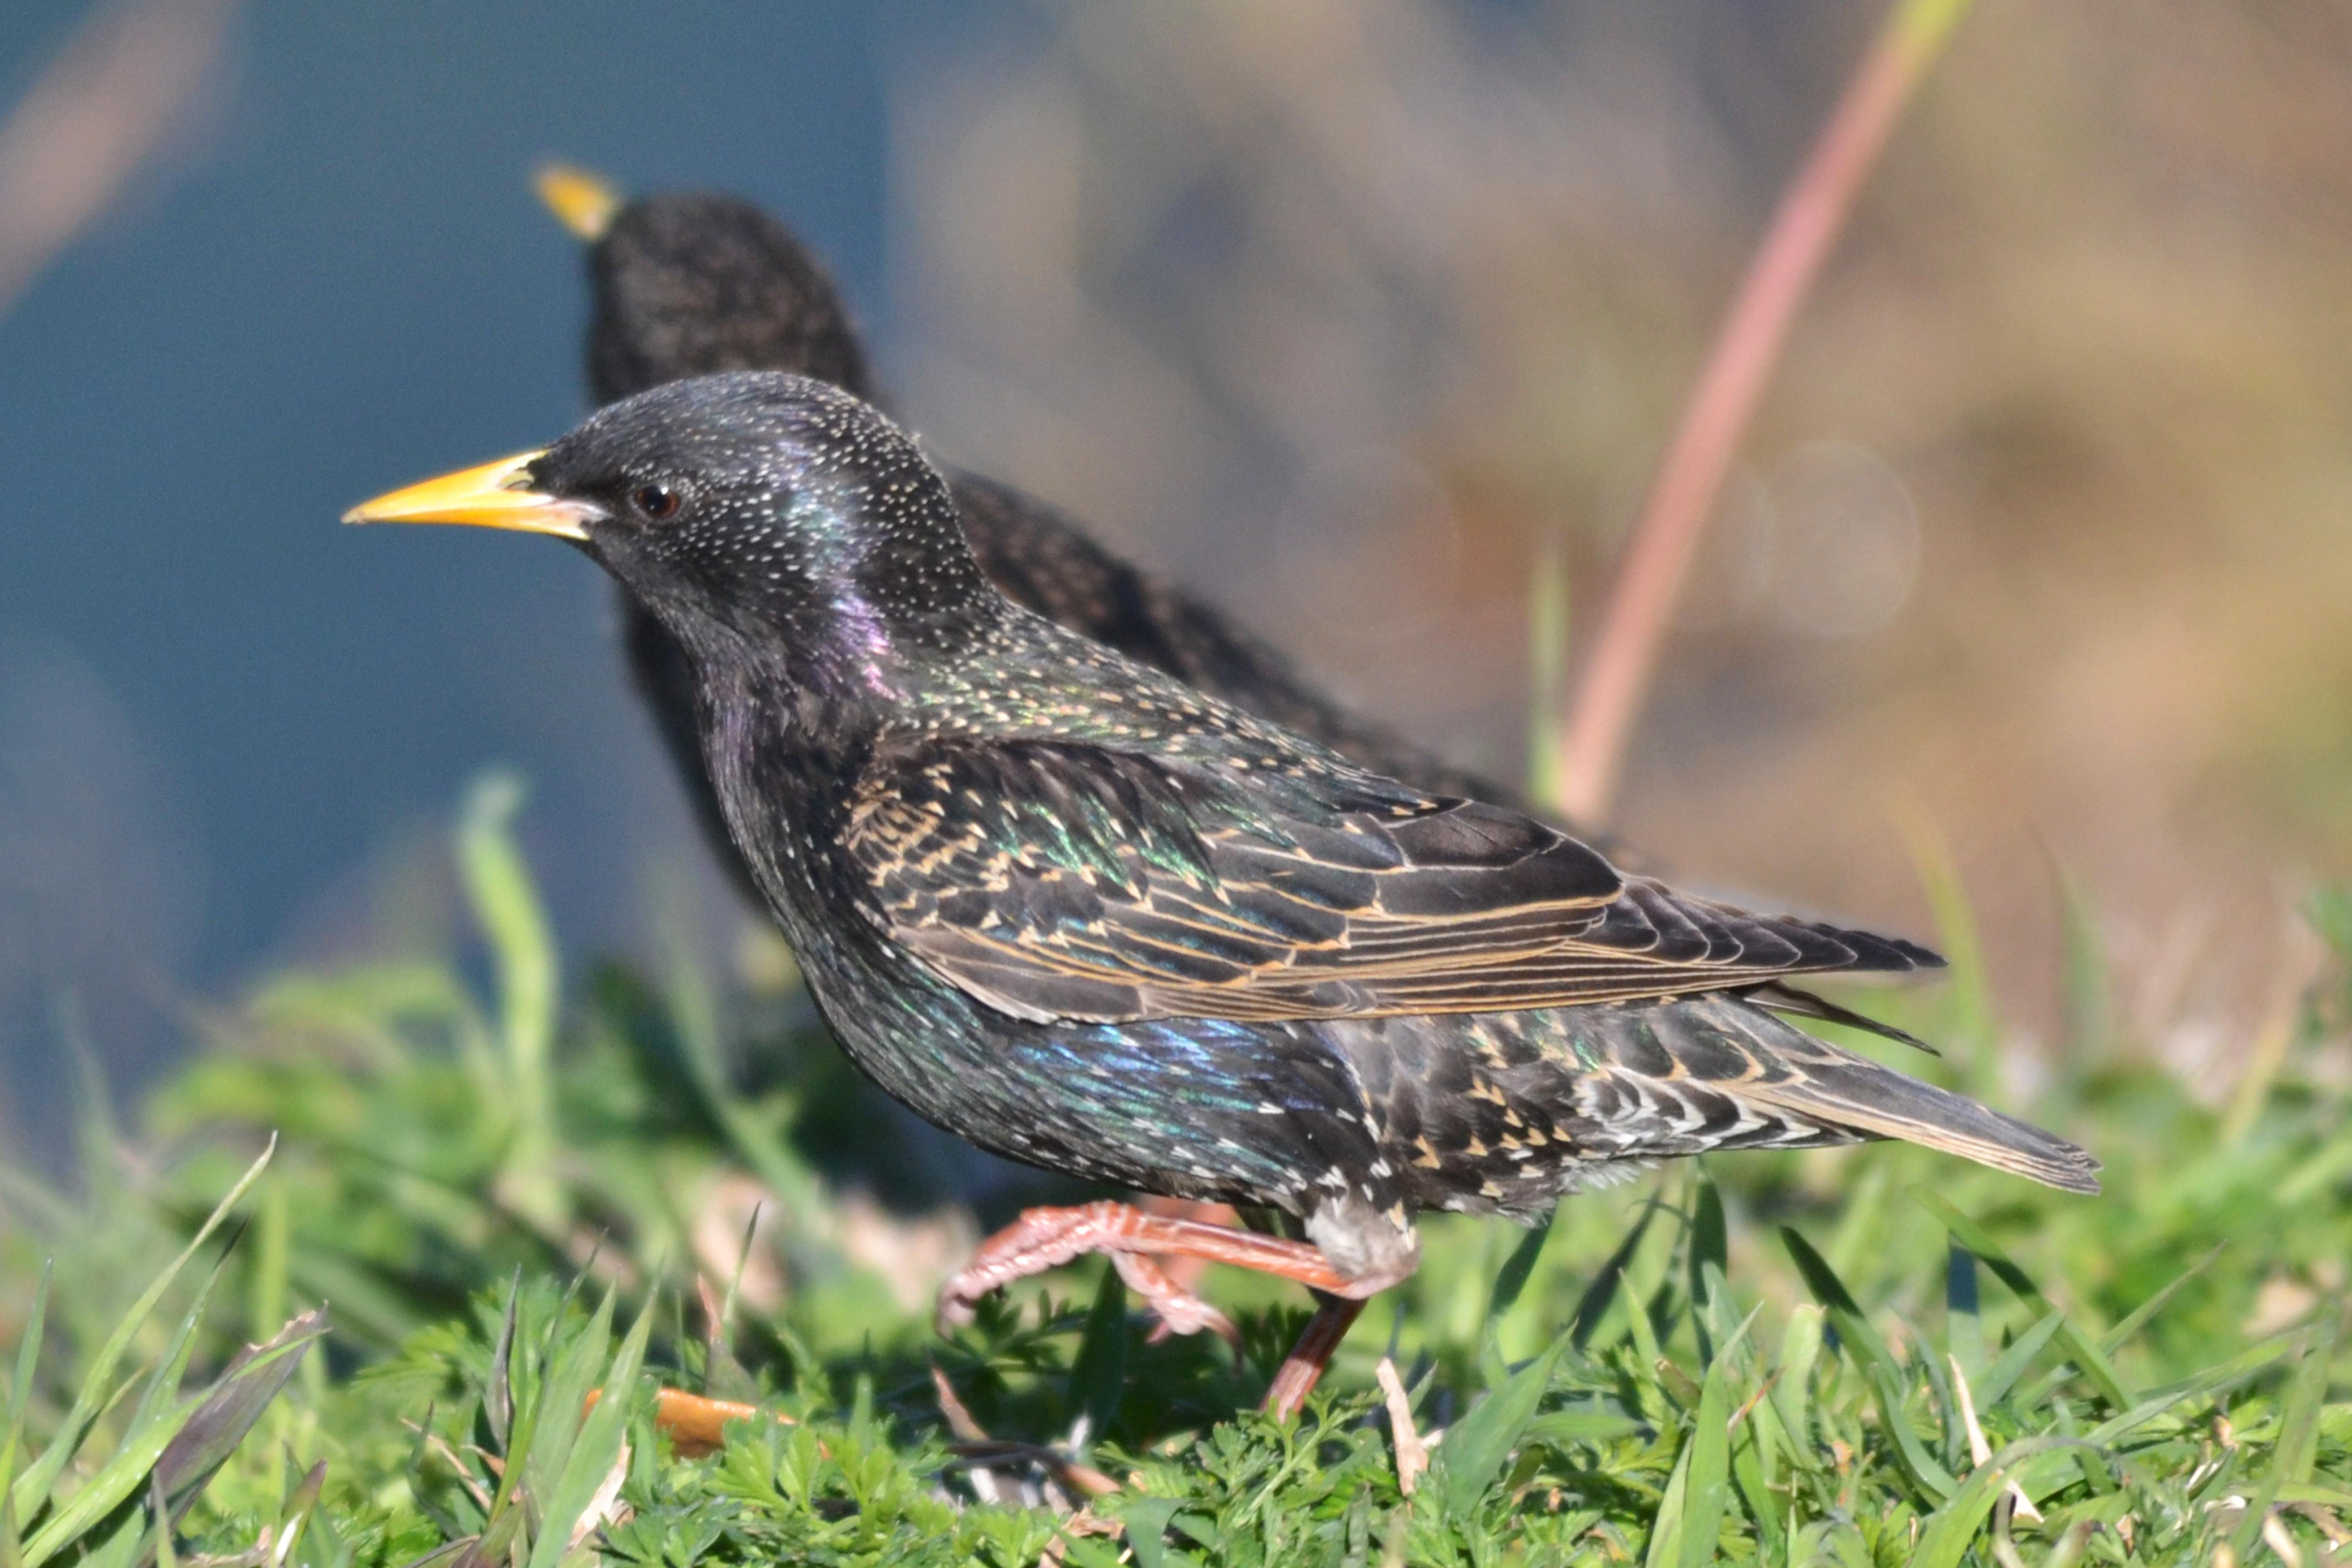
1056	879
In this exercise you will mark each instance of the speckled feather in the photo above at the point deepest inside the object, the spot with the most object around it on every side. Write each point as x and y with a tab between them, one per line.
1069	878
687	284
1089	918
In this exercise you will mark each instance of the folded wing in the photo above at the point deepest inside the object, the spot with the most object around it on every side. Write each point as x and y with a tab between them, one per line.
1054	880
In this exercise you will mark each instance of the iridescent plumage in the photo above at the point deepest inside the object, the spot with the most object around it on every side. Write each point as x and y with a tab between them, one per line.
1092	919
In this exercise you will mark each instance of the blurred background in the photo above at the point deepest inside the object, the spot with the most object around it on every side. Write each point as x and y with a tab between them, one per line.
1360	315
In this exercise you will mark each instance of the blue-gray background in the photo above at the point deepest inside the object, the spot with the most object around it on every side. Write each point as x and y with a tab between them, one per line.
1338	308
214	703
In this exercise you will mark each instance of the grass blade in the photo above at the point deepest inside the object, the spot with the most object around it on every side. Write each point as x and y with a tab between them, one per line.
2002	1375
513	918
1594	1304
1511	1279
1952	1528
1665	1548
28	1358
165	1554
1877	1364
498	1389
1963	1314
1710	1247
1791	1394
231	1407
598	1447
118	1479
1748	1454
1477	1445
1099	1372
1690	1514
1145	1520
2115	1339
2291	1462
32	1487
163	1383
2212	1381
496	1544
694	1014
563	1400
1709	1484
2086	1355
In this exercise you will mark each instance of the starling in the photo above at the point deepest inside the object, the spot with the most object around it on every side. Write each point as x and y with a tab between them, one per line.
687	284
1092	919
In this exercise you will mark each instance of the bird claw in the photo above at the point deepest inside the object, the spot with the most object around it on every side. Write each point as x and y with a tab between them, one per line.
1179	1310
959	1302
1046	1238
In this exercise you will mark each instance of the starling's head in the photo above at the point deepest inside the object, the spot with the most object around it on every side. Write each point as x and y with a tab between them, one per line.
768	509
684	285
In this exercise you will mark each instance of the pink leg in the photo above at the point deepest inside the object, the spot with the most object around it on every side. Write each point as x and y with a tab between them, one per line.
1048	1237
1303	1367
1187	1271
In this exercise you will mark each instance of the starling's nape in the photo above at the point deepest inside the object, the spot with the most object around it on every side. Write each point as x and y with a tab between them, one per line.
689	284
1094	919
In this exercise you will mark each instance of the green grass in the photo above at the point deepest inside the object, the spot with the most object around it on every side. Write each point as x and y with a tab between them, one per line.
497	1188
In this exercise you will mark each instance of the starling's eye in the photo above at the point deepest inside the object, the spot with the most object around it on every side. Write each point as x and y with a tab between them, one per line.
654	503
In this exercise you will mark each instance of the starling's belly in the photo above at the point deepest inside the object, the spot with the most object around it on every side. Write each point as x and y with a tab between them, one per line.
1191	1106
1480	1112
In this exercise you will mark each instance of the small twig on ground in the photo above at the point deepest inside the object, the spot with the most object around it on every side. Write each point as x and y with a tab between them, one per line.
697	1425
1666	538
1411	1457
994	1453
960	1422
959	1417
979	1453
1979	1449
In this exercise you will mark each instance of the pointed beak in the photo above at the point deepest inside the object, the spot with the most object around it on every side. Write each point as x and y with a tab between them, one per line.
581	202
496	494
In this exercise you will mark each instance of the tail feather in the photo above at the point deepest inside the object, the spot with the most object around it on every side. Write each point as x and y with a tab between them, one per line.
1789	1002
1746	1054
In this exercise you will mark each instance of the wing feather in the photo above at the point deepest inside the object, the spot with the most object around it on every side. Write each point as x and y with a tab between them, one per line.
1060	880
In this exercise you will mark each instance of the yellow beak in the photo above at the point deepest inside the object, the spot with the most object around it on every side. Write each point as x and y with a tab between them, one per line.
496	494
581	202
